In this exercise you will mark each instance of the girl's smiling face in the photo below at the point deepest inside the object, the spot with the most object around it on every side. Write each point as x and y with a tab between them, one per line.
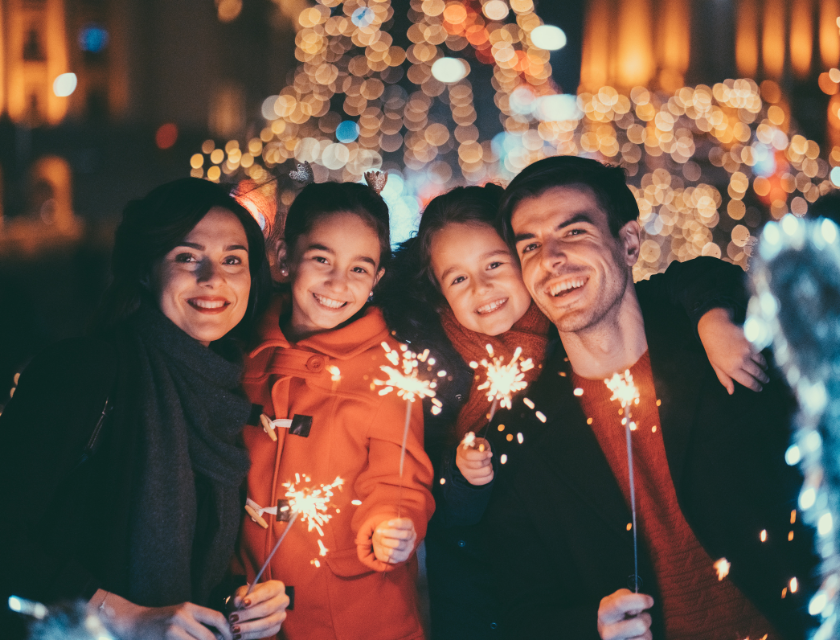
479	277
333	268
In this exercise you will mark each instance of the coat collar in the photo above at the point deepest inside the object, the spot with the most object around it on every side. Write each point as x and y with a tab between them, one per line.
366	331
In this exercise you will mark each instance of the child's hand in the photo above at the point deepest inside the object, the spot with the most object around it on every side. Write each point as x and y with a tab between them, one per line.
731	355
474	462
393	540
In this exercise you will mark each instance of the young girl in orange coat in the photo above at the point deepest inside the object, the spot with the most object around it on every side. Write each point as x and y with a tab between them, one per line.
317	360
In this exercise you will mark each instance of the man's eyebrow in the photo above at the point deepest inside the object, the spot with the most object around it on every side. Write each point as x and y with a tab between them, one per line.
578	217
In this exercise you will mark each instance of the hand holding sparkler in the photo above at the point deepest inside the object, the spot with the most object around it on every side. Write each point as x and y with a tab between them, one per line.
261	613
473	460
394	540
621	616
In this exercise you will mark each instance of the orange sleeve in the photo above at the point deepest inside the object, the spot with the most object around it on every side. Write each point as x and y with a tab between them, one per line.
378	485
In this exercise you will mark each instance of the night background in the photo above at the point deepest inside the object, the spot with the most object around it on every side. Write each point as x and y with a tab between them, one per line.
238	90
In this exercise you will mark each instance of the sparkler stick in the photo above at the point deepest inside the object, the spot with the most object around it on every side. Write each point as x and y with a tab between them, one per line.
627	393
503	380
271	555
312	506
409	387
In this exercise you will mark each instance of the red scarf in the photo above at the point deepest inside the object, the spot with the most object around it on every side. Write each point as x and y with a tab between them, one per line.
530	332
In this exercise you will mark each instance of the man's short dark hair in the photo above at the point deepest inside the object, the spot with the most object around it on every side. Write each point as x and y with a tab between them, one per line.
608	184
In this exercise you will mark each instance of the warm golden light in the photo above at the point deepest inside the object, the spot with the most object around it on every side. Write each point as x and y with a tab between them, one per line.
674	35
801	42
829	37
594	71
773	38
746	39
634	51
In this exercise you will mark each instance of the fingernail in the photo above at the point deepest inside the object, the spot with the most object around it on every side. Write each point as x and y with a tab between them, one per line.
234	617
247	602
235	629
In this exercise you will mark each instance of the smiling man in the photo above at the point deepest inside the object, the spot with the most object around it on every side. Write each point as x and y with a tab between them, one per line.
711	482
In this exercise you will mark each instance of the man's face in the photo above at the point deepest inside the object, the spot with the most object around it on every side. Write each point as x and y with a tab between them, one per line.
574	268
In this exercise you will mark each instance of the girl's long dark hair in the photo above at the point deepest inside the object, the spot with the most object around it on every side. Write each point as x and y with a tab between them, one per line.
152	226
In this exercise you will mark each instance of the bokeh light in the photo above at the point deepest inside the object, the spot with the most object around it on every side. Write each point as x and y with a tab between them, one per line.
65	84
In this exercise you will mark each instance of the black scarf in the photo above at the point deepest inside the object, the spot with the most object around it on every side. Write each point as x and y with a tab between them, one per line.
190	414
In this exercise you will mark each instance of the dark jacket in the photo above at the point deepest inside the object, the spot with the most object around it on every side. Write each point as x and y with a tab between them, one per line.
558	518
463	604
68	472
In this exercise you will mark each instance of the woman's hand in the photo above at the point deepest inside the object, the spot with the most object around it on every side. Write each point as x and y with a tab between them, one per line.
393	540
261	613
731	355
474	462
185	621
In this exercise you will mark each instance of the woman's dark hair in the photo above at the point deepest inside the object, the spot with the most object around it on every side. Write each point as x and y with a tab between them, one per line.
461	205
608	184
152	226
319	200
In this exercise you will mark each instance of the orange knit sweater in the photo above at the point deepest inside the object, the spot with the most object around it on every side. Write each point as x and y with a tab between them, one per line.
696	605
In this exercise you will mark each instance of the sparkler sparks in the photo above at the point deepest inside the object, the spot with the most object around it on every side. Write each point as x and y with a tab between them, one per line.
405	380
722	567
623	389
312	504
503	380
409	387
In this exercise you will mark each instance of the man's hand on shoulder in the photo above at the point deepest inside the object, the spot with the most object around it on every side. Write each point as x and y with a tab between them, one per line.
622	616
731	355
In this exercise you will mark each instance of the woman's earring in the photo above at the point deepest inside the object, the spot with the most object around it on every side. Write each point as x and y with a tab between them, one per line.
284	270
370	296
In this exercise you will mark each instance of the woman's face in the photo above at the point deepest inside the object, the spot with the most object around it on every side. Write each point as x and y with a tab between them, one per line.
202	285
479	277
333	269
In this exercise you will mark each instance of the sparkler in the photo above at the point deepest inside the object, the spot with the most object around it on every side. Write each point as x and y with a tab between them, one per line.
409	387
627	394
503	380
312	505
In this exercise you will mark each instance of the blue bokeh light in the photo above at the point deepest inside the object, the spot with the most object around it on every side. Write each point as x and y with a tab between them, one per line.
362	17
93	38
347	131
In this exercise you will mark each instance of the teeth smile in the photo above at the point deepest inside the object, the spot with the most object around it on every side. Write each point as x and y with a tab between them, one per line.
329	302
567	285
208	304
492	306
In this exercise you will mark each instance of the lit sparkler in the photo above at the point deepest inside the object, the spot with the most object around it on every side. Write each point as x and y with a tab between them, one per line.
503	380
403	377
312	505
627	394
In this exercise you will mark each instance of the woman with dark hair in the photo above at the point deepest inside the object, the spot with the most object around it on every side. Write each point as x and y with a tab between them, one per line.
122	461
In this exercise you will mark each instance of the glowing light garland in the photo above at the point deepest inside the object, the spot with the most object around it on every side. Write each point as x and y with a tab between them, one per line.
796	283
627	394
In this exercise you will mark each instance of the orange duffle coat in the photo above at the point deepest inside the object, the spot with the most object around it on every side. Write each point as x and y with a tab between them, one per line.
356	434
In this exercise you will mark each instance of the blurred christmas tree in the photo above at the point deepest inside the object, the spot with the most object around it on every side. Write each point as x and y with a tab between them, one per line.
378	90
